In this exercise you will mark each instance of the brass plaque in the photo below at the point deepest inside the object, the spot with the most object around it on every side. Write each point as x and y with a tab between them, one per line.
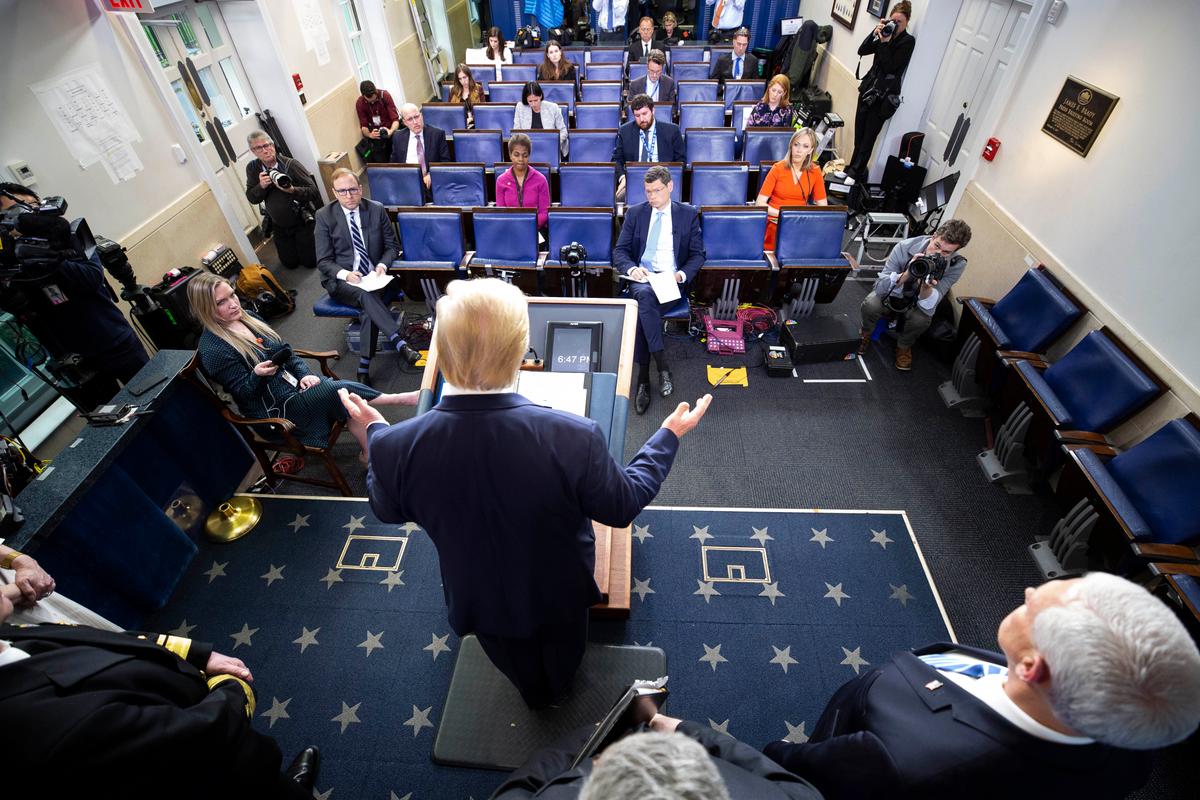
1078	114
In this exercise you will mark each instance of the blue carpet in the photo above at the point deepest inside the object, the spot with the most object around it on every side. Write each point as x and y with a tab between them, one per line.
762	613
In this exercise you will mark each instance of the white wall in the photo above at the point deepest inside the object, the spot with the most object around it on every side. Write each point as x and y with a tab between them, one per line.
1124	219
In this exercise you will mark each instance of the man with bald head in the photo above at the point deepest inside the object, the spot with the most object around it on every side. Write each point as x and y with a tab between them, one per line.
418	143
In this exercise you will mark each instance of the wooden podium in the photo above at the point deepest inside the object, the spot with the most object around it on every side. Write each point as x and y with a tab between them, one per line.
613	547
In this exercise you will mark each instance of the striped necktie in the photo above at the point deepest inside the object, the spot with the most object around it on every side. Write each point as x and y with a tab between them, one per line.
965	665
360	245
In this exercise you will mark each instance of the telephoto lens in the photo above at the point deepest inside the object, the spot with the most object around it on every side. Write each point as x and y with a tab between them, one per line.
889	28
281	179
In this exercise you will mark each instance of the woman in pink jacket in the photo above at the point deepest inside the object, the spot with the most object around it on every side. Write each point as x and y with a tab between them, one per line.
520	186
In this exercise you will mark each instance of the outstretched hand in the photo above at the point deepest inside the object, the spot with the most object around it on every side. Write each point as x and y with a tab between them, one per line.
360	413
682	420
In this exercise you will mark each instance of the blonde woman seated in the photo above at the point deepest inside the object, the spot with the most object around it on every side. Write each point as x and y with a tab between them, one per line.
466	91
775	109
795	181
536	113
234	350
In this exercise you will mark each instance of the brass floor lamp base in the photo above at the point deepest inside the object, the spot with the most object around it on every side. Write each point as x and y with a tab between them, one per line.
233	519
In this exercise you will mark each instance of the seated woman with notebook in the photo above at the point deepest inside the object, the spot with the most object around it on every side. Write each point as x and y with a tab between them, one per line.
794	181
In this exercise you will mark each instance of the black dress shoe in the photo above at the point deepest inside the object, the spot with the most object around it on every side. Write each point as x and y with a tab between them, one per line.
409	355
665	386
642	401
304	769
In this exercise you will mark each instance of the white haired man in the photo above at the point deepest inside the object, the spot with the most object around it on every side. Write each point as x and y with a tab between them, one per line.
1095	671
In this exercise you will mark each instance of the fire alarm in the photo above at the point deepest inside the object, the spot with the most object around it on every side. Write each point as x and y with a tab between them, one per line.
990	149
296	80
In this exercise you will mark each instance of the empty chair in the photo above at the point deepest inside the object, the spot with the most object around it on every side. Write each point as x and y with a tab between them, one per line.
600	91
734	263
765	144
477	146
720	184
688	71
504	92
745	91
444	89
664	112
696	91
1089	391
597	115
591	145
701	115
637	70
577	56
741	113
447	116
396	184
545	146
689	52
494	117
460	185
710	144
431	249
605	72
606	55
593	229
506	246
1029	318
560	92
519	73
534	57
589	185
635	183
808	257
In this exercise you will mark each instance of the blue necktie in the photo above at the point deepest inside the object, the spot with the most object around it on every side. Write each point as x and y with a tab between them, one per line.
360	246
737	69
610	12
652	242
952	662
648	147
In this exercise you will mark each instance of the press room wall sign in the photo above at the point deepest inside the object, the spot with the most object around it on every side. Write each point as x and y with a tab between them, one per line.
1078	114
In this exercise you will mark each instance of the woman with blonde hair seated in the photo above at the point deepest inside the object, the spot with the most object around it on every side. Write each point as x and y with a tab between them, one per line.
794	181
235	351
775	109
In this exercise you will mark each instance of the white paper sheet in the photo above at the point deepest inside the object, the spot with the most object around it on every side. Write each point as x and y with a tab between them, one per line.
565	391
665	287
373	281
90	120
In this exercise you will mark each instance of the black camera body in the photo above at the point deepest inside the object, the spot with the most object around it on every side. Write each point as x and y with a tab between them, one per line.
928	267
889	28
573	255
280	178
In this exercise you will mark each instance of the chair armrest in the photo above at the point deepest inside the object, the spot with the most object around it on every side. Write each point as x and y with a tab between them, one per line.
541	259
1020	355
1100	450
769	255
323	357
1168	552
1158	568
1083	437
987	301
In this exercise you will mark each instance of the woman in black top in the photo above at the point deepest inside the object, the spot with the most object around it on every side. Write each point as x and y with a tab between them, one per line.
882	82
555	66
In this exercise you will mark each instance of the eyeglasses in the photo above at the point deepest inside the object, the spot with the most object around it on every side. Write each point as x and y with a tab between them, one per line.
353	190
259	148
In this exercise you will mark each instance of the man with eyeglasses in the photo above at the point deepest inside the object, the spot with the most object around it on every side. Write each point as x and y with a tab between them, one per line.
354	239
418	143
288	209
909	300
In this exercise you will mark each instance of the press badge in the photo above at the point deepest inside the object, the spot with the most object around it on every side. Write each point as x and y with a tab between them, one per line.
376	119
290	378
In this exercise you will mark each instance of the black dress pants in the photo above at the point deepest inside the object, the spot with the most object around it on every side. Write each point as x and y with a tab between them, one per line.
373	303
868	122
542	666
296	246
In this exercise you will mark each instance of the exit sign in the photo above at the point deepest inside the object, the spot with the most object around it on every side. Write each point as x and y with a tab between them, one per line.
135	6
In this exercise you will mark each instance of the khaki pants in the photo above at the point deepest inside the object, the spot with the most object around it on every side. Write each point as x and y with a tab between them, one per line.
915	321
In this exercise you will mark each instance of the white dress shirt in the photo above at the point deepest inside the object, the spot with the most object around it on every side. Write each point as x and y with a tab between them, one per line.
664	254
343	273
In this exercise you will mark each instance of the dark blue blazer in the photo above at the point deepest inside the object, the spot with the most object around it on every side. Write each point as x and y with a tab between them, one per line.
507	490
904	731
685	227
629	140
335	247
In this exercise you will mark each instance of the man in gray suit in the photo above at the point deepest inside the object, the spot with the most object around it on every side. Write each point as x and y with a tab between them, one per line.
354	239
654	84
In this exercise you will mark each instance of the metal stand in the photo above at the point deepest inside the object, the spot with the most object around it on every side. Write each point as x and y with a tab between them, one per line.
726	305
878	227
962	391
1064	552
801	304
1005	463
432	293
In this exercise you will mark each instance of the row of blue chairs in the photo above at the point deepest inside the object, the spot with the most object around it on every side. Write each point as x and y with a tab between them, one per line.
595	71
692	53
566	94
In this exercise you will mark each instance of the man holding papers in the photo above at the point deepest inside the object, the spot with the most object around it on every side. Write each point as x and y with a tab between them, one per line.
355	245
659	251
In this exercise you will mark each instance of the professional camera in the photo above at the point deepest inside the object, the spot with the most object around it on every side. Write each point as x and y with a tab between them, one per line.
281	179
888	29
928	267
573	255
922	269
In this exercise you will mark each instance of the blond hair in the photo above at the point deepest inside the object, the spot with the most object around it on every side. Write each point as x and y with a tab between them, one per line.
201	293
482	333
808	159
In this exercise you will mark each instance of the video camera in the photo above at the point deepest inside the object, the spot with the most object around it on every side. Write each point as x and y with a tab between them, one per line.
922	269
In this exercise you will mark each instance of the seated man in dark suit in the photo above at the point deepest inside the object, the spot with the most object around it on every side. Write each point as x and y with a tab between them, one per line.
738	65
659	235
654	84
674	758
517	549
354	239
644	43
92	713
644	138
418	143
1095	671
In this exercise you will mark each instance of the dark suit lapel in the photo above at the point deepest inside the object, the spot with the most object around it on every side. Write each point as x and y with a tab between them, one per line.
677	232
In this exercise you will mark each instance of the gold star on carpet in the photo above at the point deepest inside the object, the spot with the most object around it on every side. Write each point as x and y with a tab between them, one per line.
277	711
184	630
720	727
273	574
216	571
306	638
713	656
301	521
332	577
880	538
642	588
796	734
854	659
419	719
348	717
372	642
707	590
783	657
392	580
771	590
242	637
642	533
900	593
355	523
821	537
438	645
835	593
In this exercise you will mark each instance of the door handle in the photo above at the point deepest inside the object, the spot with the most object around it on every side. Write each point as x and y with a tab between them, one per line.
188	84
191	70
958	143
216	140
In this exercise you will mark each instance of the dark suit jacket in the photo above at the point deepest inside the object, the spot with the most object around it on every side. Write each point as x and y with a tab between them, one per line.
629	141
96	713
635	50
436	149
747	775
507	491
685	227
666	88
723	69
335	248
887	734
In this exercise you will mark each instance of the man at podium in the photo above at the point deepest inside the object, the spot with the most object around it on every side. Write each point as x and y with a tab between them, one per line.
507	490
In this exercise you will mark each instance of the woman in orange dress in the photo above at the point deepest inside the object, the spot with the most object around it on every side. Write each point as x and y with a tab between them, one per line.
795	181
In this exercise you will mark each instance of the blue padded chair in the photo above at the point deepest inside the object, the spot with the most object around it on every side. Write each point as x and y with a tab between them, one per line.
664	112
534	56
447	116
501	166
577	56
635	185
607	55
460	185
545	146
444	90
396	184
1028	319
477	146
1144	496
719	184
689	52
765	144
733	238
701	115
592	228
587	185
560	92
696	91
605	72
743	91
484	76
494	117
808	254
506	243
519	73
1089	391
431	249
600	91
710	144
715	53
504	92
637	70
595	116
741	112
689	71
591	145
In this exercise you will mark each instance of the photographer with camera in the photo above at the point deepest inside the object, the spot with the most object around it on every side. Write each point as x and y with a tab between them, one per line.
377	119
879	93
918	274
289	193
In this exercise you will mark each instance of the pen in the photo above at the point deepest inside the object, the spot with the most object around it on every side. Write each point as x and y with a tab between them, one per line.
728	372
